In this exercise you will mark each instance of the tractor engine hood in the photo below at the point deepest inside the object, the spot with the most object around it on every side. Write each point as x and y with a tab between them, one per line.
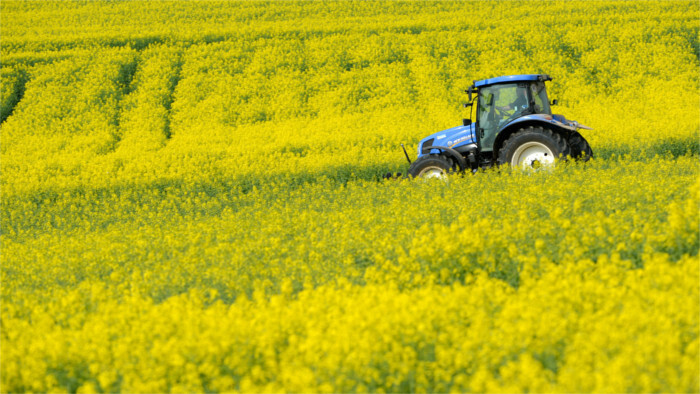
457	138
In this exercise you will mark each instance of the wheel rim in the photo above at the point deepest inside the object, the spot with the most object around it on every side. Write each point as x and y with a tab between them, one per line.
433	172
532	155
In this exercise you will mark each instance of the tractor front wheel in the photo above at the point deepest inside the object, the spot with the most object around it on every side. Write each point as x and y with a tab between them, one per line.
533	147
431	166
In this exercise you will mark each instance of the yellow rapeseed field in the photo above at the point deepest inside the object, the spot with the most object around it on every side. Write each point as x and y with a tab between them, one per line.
192	199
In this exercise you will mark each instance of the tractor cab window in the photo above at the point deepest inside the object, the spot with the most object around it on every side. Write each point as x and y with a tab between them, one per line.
541	101
498	105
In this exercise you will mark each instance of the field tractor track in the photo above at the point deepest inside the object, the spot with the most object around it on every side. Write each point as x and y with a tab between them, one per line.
172	86
124	82
18	89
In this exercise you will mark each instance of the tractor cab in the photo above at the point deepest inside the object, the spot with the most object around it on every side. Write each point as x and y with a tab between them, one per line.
504	99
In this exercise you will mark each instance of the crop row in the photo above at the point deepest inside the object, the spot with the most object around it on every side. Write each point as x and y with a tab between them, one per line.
271	107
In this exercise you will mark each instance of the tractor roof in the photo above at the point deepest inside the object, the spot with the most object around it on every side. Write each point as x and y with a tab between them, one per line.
512	78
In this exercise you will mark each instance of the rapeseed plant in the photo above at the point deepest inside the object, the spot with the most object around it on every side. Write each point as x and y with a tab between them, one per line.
192	201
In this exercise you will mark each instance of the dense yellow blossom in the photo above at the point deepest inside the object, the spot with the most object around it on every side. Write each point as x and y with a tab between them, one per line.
192	200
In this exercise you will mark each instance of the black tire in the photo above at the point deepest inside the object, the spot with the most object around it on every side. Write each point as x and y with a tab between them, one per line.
580	150
532	145
431	166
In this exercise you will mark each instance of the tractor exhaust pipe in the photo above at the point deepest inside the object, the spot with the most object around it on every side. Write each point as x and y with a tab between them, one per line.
406	153
398	175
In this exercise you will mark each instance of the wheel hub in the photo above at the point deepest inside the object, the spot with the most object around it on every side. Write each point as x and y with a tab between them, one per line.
532	155
433	173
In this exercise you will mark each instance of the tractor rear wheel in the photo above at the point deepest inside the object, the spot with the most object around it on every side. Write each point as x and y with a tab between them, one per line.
431	166
533	147
580	150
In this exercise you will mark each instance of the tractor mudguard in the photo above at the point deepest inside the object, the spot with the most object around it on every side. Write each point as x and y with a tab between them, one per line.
461	162
543	120
554	120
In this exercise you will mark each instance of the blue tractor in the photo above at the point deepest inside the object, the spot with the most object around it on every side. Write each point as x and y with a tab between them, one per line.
514	125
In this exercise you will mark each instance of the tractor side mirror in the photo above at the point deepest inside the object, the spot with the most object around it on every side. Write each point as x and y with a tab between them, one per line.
554	102
469	92
466	122
467	105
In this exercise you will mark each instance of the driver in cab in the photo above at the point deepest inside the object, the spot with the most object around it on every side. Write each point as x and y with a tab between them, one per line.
518	105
